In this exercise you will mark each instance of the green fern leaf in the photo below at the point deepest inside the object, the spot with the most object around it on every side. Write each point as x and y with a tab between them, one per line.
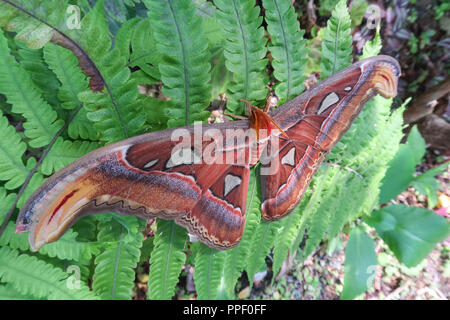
209	264
65	66
336	46
144	54
30	276
244	51
12	149
321	217
33	62
311	206
156	119
185	65
288	234
114	275
6	201
115	111
8	292
25	98
287	48
166	260
262	243
64	152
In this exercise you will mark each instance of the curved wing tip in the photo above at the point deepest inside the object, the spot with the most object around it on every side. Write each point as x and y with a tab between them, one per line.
21	228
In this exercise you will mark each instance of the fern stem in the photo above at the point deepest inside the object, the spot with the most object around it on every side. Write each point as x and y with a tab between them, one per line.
336	42
244	41
186	76
288	58
166	271
116	263
33	171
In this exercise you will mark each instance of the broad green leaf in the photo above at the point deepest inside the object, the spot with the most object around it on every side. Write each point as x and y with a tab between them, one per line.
410	232
417	145
399	174
360	264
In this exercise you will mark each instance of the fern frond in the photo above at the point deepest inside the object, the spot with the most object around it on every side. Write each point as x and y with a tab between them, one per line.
213	30
262	242
311	206
287	48
244	51
185	65
209	264
6	201
12	149
8	292
336	46
64	152
144	54
288	234
166	260
31	276
114	111
122	40
25	98
320	219
114	275
65	66
153	109
33	62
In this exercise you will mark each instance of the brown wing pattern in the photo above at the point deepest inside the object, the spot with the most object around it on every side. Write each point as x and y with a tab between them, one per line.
155	175
146	176
314	122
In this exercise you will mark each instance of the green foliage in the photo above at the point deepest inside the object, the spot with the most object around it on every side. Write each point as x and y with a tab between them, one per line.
209	264
410	232
360	264
31	276
166	260
64	152
402	168
26	100
220	48
114	274
117	111
336	45
244	51
12	149
287	48
184	64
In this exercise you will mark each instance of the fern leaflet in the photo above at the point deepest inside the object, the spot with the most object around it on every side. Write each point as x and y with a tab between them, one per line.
184	65
336	46
287	48
166	260
244	51
16	84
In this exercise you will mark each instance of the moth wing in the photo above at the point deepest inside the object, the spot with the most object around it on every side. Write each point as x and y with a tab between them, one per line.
314	122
